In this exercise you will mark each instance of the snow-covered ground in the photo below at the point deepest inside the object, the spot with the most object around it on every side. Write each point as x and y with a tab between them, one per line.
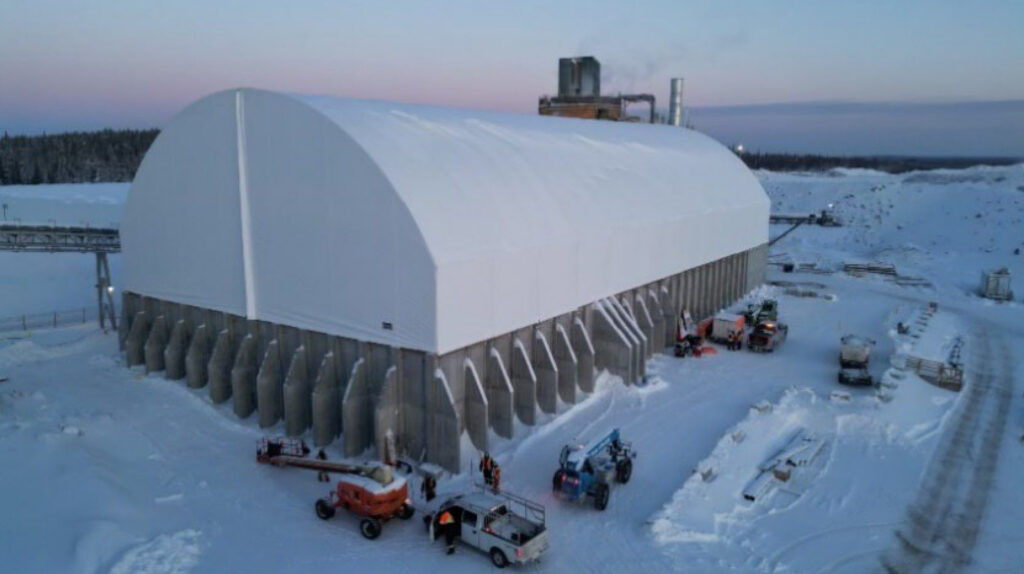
110	470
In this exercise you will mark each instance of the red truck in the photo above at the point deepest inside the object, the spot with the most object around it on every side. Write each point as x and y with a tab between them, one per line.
767	336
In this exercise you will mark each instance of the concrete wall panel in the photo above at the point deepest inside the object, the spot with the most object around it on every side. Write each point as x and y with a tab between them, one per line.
639	342
477	408
500	396
659	338
670	315
613	349
413	381
174	352
356	412
155	345
135	342
718	288
692	292
707	303
503	346
219	368
736	284
524	383
757	265
269	386
197	357
711	287
583	347
298	395
744	279
443	444
326	403
453	365
386	417
645	321
723	290
546	368
568	365
122	322
243	378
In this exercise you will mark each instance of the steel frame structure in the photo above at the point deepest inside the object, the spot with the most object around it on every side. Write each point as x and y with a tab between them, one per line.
64	239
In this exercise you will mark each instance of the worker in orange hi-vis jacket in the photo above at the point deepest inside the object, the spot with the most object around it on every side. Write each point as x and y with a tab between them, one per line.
447	523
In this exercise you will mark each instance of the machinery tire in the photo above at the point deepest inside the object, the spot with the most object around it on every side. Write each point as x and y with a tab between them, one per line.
370	528
624	471
406	512
498	558
324	509
601	497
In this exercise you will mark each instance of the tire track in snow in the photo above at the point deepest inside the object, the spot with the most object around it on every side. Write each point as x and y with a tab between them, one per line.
945	519
778	556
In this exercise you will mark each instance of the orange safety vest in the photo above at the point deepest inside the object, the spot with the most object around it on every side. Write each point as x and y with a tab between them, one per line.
446	518
497	477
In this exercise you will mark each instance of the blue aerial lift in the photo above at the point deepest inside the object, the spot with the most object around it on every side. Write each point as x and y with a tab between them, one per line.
587	470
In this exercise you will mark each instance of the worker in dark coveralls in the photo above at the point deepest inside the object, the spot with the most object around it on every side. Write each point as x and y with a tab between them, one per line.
487	468
322	476
428	488
496	479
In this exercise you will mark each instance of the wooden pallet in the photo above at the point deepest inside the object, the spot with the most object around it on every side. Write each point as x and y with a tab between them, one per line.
870	268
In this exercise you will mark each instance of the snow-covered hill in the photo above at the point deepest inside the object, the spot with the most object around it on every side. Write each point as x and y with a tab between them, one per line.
943	225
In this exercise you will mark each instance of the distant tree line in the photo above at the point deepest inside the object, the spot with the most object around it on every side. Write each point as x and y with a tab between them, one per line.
114	155
889	164
77	157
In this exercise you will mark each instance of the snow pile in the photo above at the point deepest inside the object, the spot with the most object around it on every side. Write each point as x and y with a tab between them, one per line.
711	502
803	519
174	553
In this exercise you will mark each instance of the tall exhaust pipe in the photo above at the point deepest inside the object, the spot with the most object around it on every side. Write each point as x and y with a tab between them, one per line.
675	103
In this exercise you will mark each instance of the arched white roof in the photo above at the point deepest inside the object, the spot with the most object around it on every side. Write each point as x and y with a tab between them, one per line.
422	227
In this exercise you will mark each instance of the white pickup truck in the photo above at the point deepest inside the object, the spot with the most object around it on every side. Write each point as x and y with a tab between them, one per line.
509	528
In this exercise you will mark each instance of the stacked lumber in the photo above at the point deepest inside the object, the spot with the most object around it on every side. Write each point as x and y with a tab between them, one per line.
800	451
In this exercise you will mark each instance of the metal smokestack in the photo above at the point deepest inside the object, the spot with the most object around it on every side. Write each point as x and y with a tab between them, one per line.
675	103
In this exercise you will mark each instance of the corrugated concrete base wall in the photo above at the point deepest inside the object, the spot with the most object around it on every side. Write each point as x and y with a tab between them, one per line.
410	403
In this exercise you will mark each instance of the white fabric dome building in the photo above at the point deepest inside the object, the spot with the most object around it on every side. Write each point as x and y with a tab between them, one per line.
417	272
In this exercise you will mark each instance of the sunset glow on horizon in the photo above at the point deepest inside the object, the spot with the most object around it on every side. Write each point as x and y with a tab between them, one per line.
70	66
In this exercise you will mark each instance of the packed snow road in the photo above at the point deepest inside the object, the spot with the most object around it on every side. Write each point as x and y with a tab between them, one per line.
944	521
